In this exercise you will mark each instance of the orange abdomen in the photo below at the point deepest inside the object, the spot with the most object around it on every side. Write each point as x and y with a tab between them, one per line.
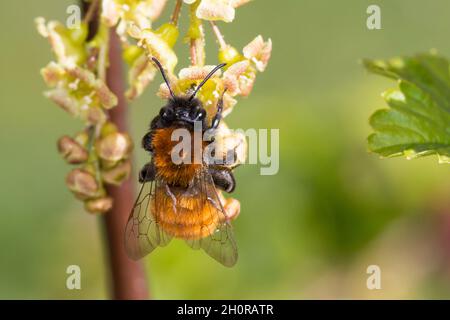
184	217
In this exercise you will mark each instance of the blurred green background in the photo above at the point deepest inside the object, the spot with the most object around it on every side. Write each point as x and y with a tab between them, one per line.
308	232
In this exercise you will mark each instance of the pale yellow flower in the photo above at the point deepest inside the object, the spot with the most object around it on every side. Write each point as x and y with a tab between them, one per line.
258	52
142	71
155	46
241	74
124	12
67	50
212	90
213	10
78	91
141	74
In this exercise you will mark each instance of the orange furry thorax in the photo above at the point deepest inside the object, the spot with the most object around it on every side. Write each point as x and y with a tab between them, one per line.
174	174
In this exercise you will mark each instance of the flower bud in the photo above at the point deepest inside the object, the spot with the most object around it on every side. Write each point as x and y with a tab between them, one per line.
82	138
229	55
106	97
71	150
169	33
94	115
100	205
79	35
66	49
233	77
131	53
258	51
141	73
64	100
92	58
107	164
155	45
82	184
108	128
114	147
216	10
232	208
117	174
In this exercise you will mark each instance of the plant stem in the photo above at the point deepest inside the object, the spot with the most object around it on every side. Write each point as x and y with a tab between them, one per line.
197	49
197	42
103	56
176	12
128	277
91	11
193	52
223	45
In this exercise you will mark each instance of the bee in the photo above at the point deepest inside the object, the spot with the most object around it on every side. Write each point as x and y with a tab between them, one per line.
181	200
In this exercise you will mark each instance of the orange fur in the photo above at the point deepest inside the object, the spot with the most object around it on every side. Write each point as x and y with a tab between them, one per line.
194	216
173	174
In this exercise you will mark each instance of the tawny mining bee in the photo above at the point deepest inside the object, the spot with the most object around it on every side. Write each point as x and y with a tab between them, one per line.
181	200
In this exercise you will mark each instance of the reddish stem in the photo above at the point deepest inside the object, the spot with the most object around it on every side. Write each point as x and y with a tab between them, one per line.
219	35
176	12
197	50
128	276
193	52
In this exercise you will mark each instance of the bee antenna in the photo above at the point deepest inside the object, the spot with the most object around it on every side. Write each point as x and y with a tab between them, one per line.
220	66
160	67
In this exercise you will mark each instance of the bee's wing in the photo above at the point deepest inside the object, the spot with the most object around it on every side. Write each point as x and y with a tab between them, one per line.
220	244
143	233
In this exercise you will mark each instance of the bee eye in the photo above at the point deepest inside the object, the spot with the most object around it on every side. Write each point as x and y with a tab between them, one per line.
166	113
201	115
194	112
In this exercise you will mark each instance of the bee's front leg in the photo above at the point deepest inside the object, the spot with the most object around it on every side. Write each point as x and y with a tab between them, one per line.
147	142
148	137
147	173
223	179
218	116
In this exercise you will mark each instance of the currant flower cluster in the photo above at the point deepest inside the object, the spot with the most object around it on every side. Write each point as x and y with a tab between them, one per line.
77	80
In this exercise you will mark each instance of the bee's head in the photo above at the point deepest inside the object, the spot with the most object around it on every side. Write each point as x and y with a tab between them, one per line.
182	111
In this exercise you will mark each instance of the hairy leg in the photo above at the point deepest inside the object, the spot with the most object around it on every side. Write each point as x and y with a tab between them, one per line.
223	179
147	173
218	116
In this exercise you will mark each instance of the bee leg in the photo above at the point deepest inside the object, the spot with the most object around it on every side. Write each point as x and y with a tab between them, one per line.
147	139
147	142
218	116
231	159
147	172
223	179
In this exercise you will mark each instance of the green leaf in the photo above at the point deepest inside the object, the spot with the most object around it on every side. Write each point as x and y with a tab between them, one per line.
418	120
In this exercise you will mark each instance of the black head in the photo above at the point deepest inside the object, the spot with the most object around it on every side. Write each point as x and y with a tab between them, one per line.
183	111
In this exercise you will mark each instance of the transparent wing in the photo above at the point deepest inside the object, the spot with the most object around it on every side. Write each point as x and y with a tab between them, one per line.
143	233
220	243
